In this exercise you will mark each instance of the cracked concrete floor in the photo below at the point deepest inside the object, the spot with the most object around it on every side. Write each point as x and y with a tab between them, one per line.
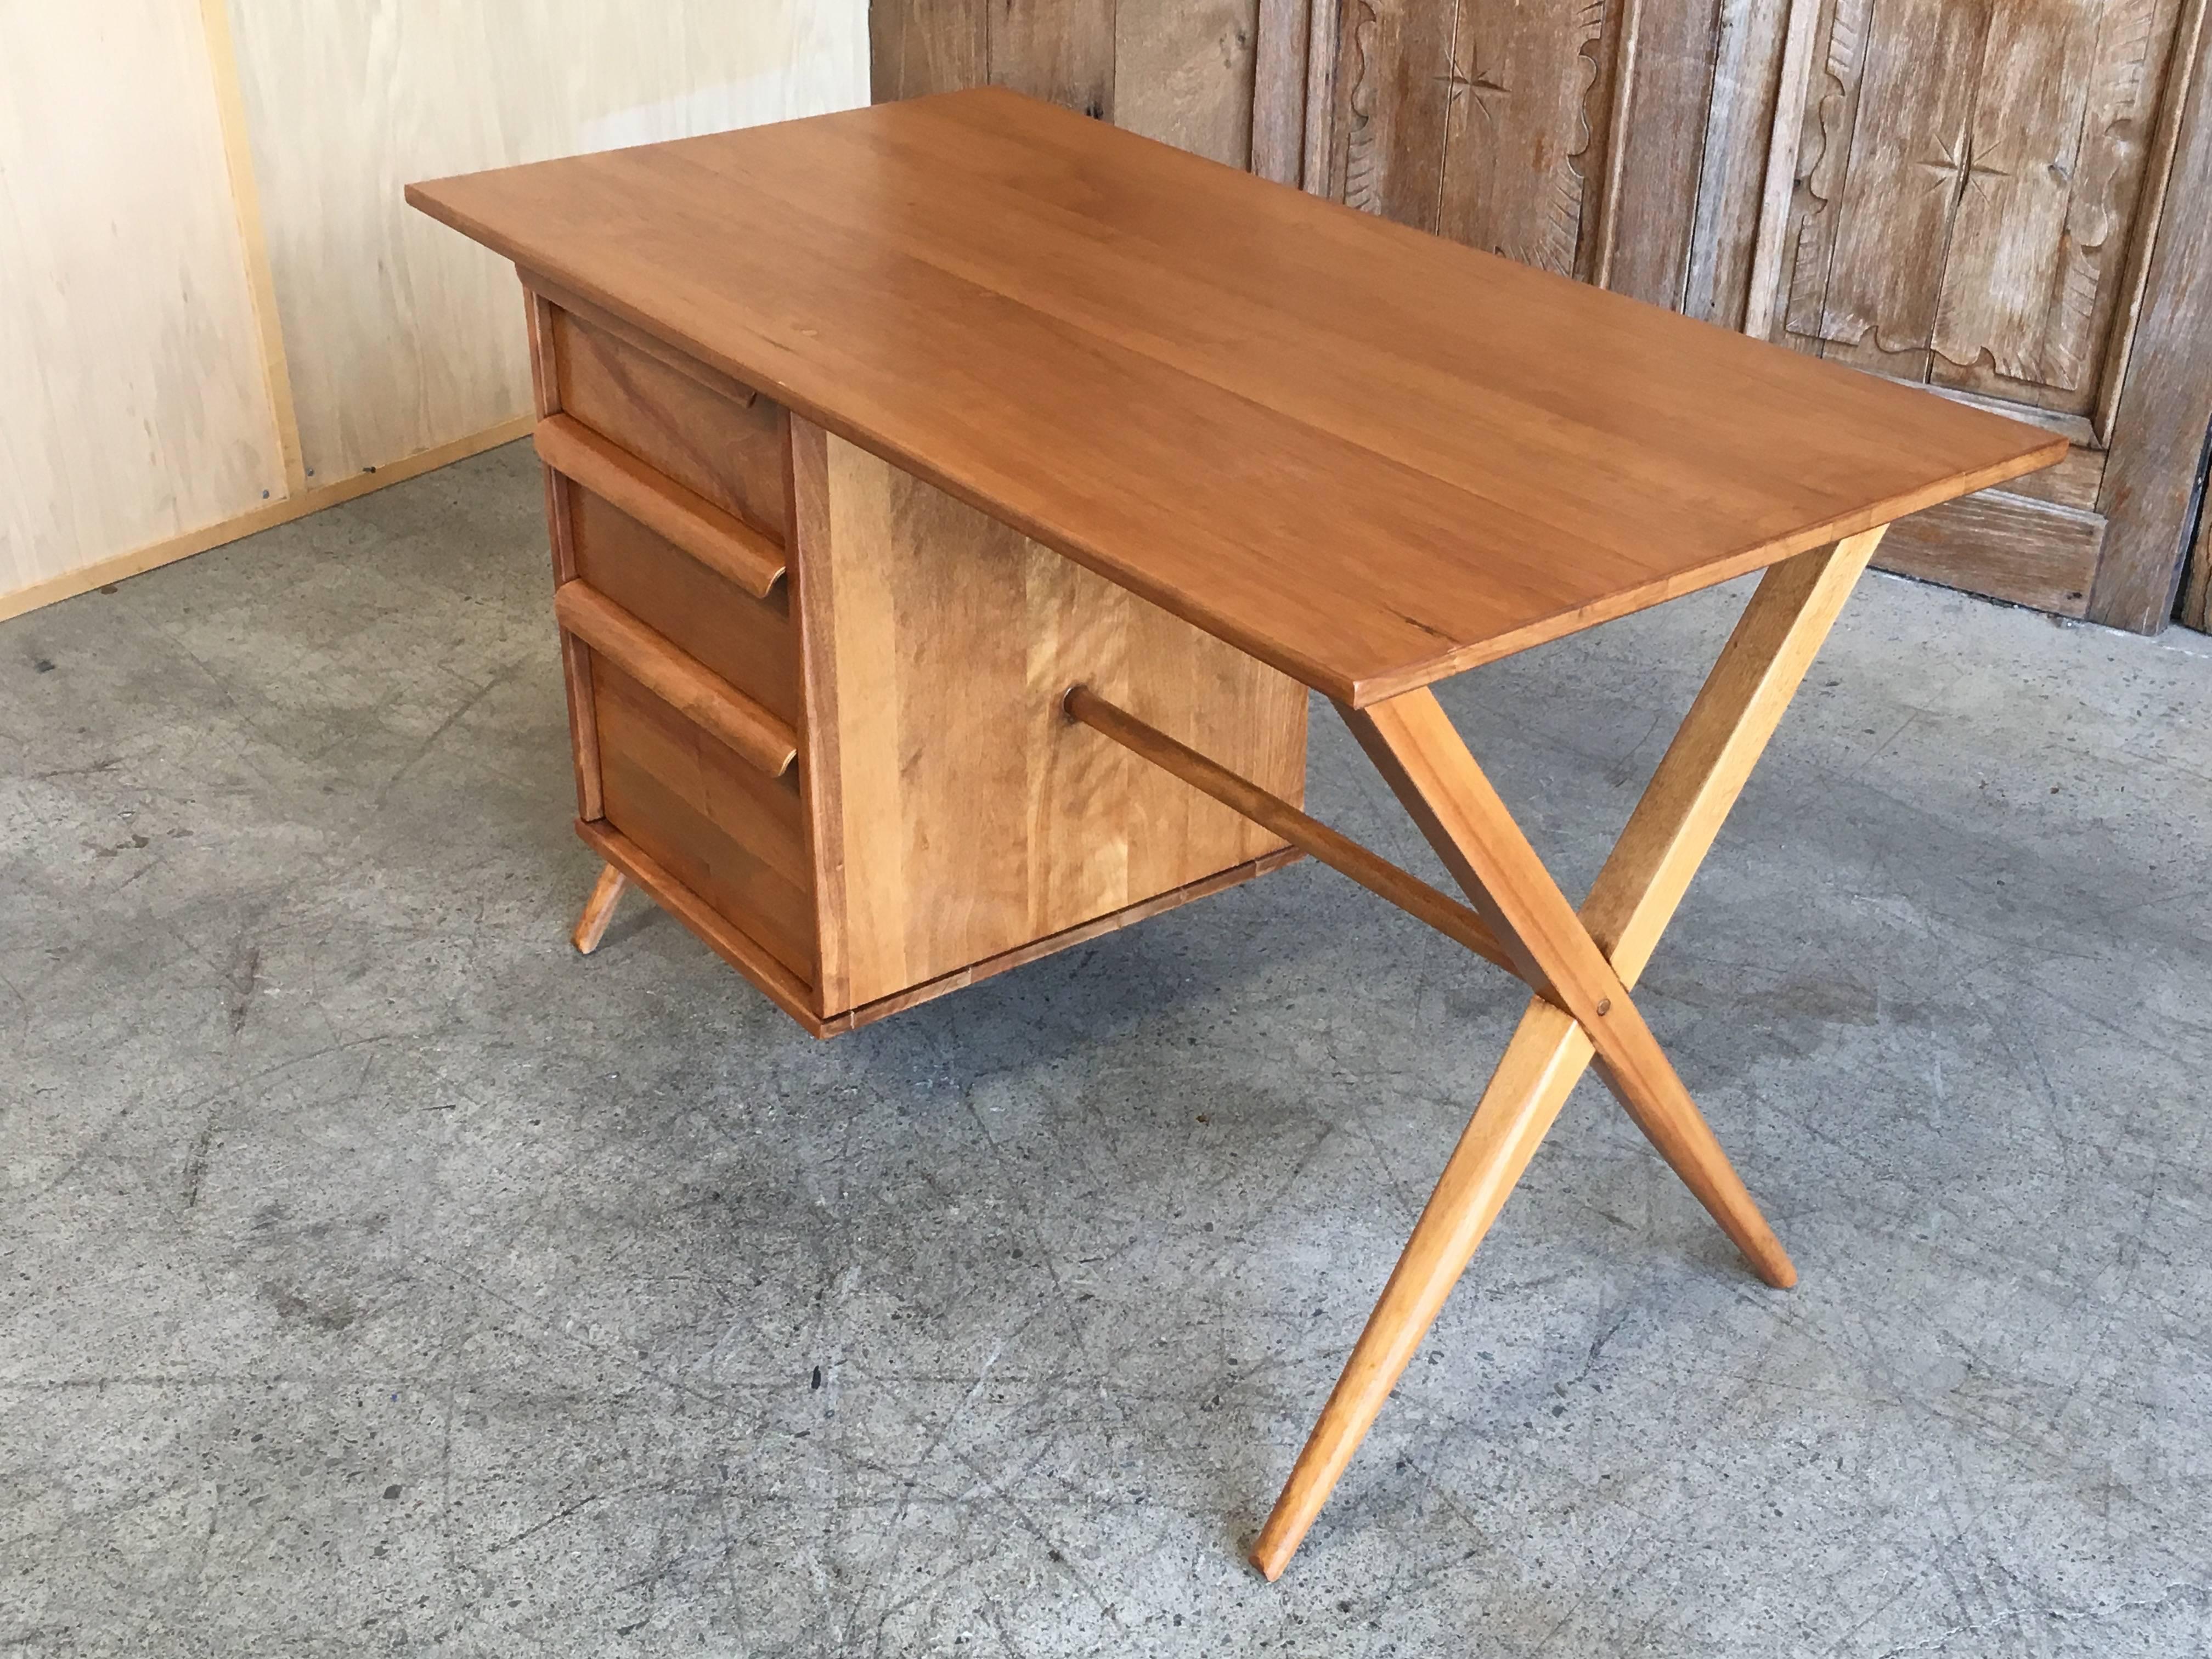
377	1277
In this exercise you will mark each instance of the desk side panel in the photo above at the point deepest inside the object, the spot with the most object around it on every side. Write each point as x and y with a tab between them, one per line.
970	818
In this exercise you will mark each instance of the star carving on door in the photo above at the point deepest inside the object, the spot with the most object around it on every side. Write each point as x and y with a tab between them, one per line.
1478	80
1958	166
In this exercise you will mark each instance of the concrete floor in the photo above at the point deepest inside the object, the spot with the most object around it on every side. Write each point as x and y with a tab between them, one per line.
377	1277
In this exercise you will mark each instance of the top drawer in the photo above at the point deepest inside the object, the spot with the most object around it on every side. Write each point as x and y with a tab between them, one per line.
714	442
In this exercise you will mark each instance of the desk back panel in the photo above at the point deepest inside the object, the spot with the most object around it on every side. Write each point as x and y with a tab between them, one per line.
970	815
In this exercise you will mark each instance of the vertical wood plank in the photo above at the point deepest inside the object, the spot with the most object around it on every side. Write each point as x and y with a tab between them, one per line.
1183	73
1278	89
916	47
1606	141
2196	603
2160	429
1659	170
2185	62
1763	282
811	577
1394	83
1061	50
1324	37
1517	134
1829	129
246	199
1742	123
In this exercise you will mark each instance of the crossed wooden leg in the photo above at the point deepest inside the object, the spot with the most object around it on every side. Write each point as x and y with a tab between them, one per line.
1581	968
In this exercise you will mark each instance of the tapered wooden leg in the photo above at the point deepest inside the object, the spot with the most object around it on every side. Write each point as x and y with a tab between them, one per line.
1532	1082
599	909
1668	836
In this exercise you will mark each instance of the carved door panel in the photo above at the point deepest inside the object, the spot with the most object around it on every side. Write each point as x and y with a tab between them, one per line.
1974	187
1620	141
1965	194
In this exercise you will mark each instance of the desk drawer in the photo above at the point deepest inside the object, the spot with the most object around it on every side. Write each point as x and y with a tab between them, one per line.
750	642
713	443
734	835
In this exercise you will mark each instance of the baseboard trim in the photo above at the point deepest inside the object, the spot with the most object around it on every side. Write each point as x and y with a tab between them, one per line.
70	583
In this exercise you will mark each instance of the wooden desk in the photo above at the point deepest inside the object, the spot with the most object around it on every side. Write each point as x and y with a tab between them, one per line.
950	502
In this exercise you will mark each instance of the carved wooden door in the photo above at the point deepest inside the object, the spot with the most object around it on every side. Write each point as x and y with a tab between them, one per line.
1966	194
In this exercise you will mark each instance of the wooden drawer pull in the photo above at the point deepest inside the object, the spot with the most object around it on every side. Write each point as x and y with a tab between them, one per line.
726	546
677	678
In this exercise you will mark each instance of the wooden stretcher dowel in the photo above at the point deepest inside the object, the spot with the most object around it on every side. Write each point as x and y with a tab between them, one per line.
1341	854
678	678
723	543
1668	834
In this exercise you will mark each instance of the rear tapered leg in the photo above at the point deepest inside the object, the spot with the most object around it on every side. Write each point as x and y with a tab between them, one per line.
598	910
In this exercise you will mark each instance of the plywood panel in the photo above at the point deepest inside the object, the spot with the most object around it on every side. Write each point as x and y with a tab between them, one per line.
399	335
135	409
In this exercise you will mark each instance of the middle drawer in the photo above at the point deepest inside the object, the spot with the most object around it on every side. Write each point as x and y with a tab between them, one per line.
750	642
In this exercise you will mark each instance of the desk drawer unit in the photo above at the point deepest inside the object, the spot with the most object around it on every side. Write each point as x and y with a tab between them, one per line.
815	700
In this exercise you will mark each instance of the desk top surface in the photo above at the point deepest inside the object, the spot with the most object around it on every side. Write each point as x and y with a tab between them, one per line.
1367	456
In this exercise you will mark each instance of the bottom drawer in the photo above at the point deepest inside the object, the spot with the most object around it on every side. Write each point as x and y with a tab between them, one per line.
733	837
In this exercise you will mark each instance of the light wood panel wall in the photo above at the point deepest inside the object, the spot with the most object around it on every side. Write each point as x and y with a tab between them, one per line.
137	404
215	313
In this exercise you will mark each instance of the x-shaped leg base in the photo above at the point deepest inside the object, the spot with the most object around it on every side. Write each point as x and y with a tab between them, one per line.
1580	966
